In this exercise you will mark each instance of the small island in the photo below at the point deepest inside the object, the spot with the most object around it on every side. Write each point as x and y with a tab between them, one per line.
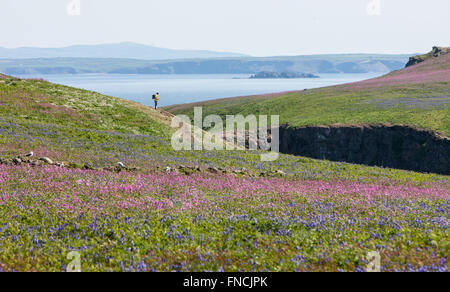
282	75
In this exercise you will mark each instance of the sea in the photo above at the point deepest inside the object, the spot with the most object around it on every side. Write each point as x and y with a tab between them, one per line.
180	89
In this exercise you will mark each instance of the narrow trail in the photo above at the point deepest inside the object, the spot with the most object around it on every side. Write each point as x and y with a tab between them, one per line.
165	113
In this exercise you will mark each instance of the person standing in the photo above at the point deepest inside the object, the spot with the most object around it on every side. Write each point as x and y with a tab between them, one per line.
155	98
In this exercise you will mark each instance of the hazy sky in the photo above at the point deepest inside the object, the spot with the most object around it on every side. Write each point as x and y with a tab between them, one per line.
255	27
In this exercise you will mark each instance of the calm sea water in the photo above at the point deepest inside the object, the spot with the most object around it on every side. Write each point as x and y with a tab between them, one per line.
176	89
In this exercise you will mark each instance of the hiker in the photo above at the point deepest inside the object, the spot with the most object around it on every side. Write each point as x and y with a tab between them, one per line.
155	98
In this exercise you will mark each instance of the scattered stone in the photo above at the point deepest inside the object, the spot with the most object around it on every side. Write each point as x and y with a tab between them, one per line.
213	169
88	166
186	170
121	165
46	160
167	169
17	161
280	172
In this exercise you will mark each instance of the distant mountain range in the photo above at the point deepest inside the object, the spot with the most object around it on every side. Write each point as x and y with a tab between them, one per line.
131	58
121	50
243	65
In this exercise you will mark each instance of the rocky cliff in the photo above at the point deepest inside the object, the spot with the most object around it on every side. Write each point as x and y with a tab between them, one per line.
435	52
380	145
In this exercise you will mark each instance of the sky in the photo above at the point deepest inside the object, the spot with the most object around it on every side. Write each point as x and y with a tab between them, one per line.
254	27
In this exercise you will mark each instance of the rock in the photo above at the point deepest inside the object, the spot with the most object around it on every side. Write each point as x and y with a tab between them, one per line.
223	170
280	172
167	169
397	146
17	161
213	170
186	170
46	160
194	168
435	52
88	166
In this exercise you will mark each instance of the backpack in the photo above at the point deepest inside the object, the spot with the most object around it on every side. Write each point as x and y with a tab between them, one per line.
153	96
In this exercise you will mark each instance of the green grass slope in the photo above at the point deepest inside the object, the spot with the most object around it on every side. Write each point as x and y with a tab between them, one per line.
417	96
83	127
71	124
319	216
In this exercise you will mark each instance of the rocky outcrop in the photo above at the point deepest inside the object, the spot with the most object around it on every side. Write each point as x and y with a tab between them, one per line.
399	147
282	75
46	160
435	52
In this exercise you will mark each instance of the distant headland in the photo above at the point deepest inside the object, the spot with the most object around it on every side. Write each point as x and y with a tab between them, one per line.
282	75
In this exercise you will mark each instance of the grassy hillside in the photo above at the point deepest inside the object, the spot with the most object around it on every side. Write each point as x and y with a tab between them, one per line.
241	214
418	96
84	127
